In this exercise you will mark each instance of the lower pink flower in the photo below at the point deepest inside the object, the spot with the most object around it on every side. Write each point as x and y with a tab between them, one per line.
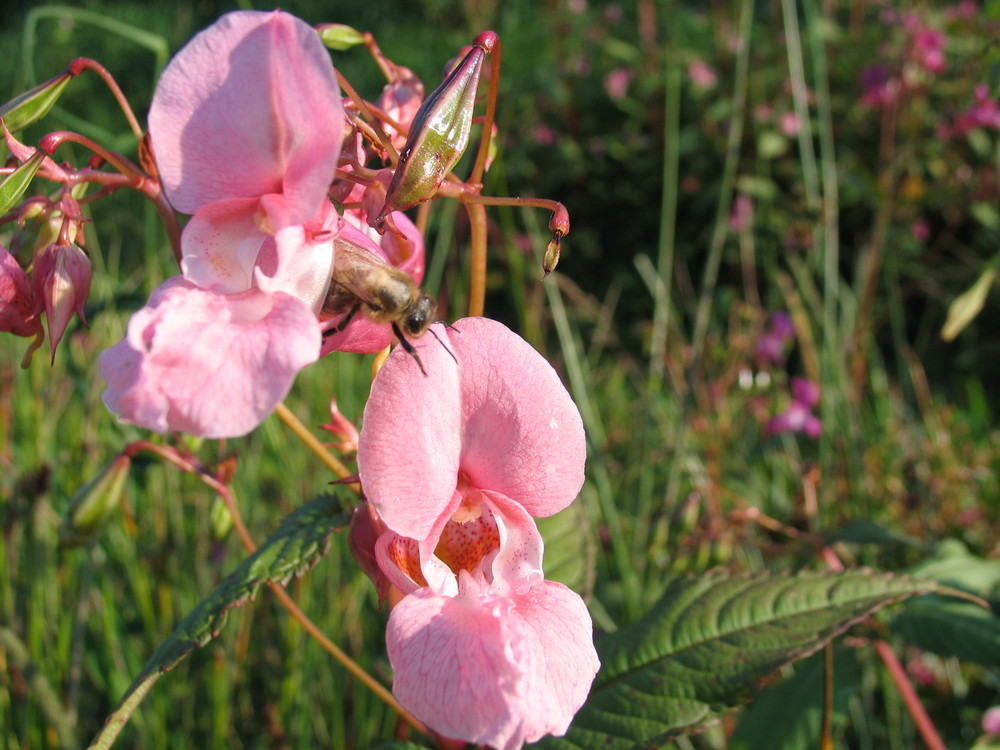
456	463
208	364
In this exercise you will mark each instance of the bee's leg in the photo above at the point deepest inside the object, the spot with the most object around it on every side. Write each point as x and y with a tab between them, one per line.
408	347
346	319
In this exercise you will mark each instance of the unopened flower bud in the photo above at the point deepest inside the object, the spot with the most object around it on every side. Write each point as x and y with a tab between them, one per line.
439	134
551	258
62	282
94	503
338	36
33	104
220	519
17	301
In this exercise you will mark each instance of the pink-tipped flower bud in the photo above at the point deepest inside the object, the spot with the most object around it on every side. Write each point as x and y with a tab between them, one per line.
551	258
62	282
439	135
17	301
401	99
93	504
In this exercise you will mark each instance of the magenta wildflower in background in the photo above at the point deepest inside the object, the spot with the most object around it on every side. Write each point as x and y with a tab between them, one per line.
799	416
456	463
246	126
772	345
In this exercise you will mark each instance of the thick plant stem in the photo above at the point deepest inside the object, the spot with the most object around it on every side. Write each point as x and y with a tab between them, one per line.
477	272
924	724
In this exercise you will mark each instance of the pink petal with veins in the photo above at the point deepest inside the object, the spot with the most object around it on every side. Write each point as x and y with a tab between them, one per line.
249	107
492	670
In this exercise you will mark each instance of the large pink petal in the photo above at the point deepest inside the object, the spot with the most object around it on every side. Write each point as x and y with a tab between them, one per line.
410	440
497	671
208	364
522	435
250	106
562	626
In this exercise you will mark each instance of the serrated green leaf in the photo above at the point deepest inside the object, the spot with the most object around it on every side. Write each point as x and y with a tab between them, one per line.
569	549
299	541
710	642
16	183
951	627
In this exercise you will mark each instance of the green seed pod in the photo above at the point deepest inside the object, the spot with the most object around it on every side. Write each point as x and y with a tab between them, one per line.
94	503
439	135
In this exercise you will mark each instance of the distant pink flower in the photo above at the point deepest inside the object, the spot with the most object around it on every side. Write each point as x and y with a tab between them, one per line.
799	417
772	344
921	230
741	217
789	124
456	463
616	83
983	114
17	301
702	75
927	45
880	86
247	127
991	721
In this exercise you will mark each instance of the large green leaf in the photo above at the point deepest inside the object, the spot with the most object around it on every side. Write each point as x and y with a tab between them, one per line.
710	642
301	540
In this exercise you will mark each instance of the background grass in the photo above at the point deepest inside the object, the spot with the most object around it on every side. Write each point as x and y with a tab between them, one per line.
654	319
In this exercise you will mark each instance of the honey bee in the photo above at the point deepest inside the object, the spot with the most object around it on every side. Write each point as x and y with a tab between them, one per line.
362	282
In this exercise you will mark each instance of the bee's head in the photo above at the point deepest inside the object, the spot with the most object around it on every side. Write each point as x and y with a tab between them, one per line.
420	316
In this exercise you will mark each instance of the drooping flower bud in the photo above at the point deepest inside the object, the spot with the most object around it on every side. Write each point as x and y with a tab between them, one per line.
62	282
439	134
17	301
93	504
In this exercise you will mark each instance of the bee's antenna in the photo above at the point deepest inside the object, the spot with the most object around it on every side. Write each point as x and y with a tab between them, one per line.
447	325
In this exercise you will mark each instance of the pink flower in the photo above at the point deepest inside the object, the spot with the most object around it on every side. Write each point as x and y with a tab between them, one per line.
741	217
991	721
208	364
983	114
247	127
456	463
17	301
772	345
927	46
702	75
799	417
616	83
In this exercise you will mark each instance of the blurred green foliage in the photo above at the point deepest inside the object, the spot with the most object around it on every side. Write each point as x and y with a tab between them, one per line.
683	474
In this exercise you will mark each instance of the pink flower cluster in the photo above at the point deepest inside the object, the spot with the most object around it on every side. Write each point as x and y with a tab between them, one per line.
247	128
456	464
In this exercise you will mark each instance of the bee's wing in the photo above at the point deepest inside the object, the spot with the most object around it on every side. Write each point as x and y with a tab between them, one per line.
357	270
